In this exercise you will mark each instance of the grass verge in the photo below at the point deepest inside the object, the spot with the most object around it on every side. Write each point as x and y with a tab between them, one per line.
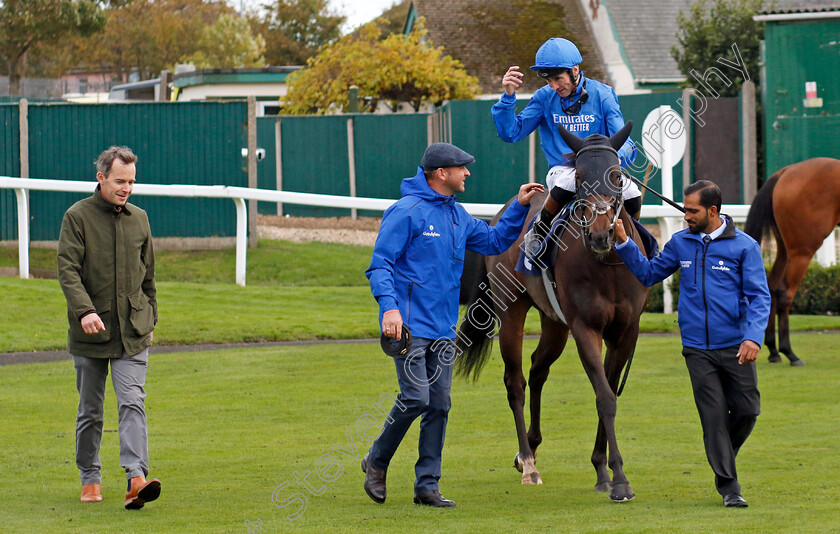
36	317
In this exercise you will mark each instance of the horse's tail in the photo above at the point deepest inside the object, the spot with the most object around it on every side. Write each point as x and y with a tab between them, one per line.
761	215
475	337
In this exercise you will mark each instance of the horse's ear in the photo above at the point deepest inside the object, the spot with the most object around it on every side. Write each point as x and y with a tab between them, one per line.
621	136
574	142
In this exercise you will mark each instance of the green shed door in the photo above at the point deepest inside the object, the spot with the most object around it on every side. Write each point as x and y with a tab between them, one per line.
802	61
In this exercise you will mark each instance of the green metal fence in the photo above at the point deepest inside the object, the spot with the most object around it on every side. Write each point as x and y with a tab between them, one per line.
176	143
9	166
201	143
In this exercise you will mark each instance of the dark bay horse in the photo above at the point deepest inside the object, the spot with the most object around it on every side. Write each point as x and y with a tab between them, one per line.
599	297
800	205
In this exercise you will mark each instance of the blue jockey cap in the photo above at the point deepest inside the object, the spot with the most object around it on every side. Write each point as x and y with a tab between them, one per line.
557	53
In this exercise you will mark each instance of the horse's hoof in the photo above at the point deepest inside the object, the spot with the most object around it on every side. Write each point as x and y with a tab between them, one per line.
621	493
531	479
797	363
774	358
517	462
603	487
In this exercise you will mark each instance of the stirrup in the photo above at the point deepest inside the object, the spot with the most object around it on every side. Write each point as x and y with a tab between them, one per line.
535	236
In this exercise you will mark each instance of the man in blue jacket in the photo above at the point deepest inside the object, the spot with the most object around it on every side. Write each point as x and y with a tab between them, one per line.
582	105
415	276
723	310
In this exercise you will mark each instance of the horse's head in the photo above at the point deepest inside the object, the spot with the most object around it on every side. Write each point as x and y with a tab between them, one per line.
599	185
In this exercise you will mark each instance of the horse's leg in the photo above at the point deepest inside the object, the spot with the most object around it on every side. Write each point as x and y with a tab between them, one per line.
551	345
510	345
589	349
619	352
794	274
775	283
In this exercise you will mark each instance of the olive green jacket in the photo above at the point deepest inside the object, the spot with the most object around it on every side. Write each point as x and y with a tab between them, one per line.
106	264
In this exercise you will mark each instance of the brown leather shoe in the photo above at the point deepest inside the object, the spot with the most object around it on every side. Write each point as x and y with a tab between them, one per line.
91	493
374	481
141	491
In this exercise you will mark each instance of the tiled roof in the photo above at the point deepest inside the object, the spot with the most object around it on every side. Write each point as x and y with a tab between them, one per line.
801	6
647	30
456	25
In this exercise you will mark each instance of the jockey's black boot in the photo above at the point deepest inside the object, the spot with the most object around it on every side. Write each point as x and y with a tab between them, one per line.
558	198
633	206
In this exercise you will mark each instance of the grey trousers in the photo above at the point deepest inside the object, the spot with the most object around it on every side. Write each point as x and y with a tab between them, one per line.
128	374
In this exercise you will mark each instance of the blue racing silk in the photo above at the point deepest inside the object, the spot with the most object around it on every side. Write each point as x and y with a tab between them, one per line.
600	114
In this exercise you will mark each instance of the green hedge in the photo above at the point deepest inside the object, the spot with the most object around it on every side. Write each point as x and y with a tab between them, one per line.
819	293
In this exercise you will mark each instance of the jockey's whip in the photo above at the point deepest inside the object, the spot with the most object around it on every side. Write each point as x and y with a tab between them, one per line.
655	192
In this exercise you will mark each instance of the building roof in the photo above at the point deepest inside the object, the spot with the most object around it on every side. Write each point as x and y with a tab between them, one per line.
236	76
487	38
801	6
646	31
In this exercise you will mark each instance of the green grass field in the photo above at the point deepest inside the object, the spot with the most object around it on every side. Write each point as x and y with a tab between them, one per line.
229	428
232	431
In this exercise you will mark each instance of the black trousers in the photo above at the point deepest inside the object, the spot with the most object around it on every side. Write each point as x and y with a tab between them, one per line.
727	399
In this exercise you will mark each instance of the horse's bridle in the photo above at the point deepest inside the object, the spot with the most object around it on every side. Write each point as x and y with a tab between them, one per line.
598	208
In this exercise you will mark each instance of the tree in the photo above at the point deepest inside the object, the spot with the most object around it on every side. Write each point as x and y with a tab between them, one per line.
149	35
294	30
706	34
397	68
24	24
396	15
228	43
531	22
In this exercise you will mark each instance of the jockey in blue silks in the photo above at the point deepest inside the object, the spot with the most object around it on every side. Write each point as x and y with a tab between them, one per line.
584	106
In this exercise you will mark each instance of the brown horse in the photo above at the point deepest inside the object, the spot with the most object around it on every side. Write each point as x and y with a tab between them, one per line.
599	297
800	204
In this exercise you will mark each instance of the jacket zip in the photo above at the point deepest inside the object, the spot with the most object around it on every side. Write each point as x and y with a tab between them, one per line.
695	267
705	305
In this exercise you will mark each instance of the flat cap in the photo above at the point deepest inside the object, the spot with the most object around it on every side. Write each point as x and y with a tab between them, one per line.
439	155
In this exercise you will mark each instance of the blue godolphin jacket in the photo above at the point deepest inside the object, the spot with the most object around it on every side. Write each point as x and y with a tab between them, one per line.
418	257
724	298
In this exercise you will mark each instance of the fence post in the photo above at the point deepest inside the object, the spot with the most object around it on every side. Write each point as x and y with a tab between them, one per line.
252	170
689	140
22	194
278	162
430	121
241	240
748	142
351	161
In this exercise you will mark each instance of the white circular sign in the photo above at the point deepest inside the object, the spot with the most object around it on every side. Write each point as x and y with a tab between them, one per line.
663	131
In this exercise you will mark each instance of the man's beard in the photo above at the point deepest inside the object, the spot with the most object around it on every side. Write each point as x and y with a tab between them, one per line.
699	227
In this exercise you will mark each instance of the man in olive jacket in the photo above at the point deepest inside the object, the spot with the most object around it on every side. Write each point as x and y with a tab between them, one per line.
106	268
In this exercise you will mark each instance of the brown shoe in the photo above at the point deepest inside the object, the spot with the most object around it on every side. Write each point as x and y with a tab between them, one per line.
374	481
141	491
91	493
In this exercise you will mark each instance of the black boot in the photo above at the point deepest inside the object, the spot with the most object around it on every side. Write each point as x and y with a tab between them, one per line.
542	225
633	206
